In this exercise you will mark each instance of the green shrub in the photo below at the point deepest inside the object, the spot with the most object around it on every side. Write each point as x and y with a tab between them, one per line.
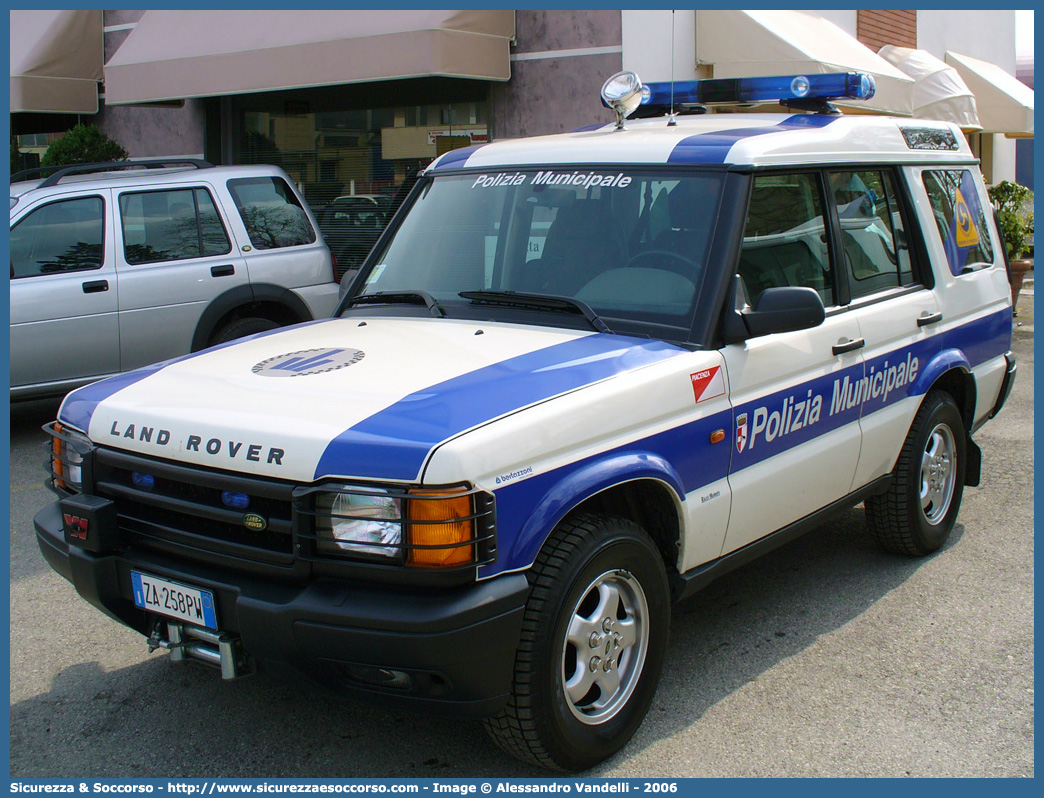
1014	204
83	144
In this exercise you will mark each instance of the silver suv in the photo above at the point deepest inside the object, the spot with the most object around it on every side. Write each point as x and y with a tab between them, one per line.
116	266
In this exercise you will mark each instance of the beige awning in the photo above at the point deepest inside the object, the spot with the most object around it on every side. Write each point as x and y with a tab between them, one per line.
752	43
1005	104
938	91
174	55
56	61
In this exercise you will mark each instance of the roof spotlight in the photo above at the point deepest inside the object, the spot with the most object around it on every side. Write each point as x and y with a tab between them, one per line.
623	94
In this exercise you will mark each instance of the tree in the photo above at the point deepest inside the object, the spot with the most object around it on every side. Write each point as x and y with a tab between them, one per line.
83	144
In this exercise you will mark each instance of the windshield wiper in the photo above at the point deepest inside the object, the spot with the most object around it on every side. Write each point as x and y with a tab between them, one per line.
558	304
399	298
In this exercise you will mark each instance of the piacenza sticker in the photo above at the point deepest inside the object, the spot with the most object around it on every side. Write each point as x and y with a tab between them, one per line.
550	178
796	411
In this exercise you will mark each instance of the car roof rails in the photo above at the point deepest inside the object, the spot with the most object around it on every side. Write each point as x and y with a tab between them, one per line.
87	168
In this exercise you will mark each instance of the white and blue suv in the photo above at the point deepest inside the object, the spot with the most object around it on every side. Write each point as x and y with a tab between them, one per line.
578	378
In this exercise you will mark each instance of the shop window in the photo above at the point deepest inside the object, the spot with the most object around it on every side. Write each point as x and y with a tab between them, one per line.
873	235
270	212
171	225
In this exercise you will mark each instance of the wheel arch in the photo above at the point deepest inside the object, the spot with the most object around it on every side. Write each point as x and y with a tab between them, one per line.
950	372
269	301
640	486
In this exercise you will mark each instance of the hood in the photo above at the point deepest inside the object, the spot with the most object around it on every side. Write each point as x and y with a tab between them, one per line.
351	398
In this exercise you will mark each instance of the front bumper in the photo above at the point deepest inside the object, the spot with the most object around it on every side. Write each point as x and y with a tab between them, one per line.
456	645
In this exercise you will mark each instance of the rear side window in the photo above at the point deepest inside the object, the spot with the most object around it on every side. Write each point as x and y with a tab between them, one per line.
270	212
873	235
66	236
784	242
960	218
171	225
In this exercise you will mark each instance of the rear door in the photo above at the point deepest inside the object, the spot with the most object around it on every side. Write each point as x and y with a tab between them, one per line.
64	324
898	315
174	256
277	233
795	448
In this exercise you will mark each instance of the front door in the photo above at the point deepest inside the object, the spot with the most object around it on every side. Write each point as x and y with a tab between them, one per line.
64	326
795	444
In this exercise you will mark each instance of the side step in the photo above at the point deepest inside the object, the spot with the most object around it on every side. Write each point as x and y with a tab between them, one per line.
222	650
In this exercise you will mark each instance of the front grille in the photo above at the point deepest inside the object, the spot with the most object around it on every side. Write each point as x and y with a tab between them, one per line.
178	510
181	508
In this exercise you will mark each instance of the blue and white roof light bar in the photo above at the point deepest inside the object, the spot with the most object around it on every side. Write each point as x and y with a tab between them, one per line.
624	92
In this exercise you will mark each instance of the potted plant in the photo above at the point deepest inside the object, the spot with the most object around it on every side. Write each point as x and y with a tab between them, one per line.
1015	215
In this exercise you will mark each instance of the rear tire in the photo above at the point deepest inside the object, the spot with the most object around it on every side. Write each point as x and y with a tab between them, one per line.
241	328
919	510
593	639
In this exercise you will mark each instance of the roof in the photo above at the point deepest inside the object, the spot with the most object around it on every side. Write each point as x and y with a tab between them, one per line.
144	177
742	139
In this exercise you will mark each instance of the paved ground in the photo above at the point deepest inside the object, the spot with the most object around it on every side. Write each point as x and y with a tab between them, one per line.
829	658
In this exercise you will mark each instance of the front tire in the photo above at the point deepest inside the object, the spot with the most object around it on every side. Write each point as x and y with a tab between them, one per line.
919	510
240	328
593	639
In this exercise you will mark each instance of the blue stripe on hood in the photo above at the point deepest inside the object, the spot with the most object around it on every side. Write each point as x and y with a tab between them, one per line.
394	443
714	147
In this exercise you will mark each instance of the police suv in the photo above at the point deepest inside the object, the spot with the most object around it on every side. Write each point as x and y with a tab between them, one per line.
579	377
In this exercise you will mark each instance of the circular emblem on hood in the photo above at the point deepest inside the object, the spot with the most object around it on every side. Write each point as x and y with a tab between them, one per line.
308	361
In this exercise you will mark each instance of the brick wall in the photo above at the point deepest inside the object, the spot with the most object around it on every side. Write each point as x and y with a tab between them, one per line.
878	28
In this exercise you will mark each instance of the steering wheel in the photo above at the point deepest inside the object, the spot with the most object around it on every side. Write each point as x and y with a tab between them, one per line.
690	266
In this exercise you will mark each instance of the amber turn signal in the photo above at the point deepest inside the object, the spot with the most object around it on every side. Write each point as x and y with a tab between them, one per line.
437	518
56	460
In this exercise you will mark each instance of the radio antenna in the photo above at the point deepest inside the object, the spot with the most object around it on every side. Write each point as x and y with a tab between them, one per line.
672	121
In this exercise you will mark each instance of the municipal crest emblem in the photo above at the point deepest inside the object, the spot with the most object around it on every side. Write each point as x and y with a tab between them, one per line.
741	432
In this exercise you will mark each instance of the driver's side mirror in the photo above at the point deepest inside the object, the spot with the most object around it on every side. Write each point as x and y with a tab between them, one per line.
781	309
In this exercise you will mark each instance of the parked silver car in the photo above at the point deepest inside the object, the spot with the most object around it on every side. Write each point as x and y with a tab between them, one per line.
141	262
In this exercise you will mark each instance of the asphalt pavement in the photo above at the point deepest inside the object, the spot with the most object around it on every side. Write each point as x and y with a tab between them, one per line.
826	658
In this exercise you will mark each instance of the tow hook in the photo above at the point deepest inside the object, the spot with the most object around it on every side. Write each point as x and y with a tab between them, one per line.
157	641
222	650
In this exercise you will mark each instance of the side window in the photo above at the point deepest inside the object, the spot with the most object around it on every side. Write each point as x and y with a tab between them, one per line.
959	217
873	235
171	225
271	213
785	241
66	236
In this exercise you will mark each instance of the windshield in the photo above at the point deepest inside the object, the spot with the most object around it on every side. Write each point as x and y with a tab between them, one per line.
632	245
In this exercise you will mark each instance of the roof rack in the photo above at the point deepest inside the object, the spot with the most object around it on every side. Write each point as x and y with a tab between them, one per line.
87	168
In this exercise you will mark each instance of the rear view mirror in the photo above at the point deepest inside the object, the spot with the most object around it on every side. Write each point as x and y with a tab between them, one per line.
777	310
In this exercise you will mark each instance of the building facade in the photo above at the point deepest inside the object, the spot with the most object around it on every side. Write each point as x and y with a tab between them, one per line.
352	102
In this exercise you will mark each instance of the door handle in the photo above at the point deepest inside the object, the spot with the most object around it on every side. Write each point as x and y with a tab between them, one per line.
927	318
95	286
222	271
848	345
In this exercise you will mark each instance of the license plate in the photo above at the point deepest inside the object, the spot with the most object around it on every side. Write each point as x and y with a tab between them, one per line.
168	598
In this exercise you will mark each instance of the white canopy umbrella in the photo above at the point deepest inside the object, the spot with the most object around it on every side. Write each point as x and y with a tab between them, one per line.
939	92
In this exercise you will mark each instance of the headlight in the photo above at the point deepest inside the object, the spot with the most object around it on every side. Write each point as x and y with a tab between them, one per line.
66	462
420	527
359	522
